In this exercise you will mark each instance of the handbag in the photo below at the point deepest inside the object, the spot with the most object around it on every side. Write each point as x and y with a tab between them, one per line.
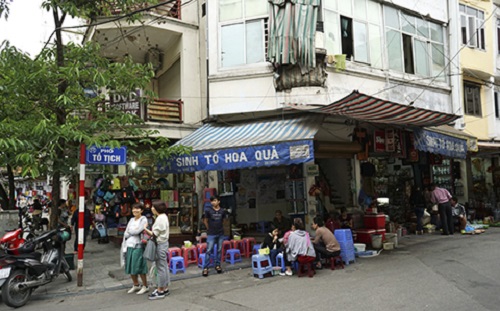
95	234
150	250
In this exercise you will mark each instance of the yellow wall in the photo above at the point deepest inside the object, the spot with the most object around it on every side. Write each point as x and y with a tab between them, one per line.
477	66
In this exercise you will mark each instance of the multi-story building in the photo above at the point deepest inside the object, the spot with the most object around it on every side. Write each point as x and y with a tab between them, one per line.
479	29
370	88
312	105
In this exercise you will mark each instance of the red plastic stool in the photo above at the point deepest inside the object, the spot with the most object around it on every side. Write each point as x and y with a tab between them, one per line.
201	248
190	255
306	266
226	245
240	244
249	244
336	262
173	252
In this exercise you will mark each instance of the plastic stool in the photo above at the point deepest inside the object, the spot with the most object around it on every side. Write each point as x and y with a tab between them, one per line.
249	244
177	264
201	261
306	269
261	266
233	255
280	261
190	255
240	244
201	248
172	252
226	245
255	249
336	261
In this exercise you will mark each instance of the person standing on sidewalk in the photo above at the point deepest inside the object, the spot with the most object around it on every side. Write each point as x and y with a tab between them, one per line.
160	231
132	246
417	200
214	217
442	197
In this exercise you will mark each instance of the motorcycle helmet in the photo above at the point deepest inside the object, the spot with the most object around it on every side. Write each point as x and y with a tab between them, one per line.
63	236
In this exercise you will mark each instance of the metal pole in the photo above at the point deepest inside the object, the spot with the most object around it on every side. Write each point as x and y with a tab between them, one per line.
81	215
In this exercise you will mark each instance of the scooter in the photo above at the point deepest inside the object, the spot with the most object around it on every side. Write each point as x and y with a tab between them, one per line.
23	273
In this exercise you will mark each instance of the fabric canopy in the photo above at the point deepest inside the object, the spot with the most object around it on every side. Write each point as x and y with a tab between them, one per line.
367	108
292	30
222	146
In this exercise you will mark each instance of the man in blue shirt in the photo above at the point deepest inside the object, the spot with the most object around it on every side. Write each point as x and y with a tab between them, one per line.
214	217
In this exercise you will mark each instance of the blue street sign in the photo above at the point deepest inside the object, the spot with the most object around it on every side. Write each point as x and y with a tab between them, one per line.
106	155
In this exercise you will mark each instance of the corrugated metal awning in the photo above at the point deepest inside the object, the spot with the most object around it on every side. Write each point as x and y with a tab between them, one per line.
215	136
367	108
218	146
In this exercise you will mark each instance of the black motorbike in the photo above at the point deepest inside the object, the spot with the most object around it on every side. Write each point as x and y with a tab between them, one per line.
23	273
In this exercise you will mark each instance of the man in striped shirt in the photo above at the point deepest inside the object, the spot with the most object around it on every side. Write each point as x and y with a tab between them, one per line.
441	197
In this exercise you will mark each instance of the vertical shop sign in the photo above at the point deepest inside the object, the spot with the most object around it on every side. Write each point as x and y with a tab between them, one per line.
379	141
389	140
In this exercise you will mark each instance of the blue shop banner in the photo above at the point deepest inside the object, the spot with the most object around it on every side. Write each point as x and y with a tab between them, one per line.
285	153
441	144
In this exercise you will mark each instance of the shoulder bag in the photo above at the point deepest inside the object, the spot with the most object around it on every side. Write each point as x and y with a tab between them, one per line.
150	250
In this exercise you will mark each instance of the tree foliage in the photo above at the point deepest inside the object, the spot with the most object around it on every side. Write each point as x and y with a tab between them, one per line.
46	111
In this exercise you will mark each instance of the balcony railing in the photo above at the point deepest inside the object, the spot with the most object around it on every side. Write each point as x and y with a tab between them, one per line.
164	110
170	9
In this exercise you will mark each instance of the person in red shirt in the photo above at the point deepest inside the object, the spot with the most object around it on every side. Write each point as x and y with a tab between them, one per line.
441	197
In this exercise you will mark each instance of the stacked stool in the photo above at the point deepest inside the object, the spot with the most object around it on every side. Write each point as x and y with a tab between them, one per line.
226	245
172	252
261	266
240	244
344	237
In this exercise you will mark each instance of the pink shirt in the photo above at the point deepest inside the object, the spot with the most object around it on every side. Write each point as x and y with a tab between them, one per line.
440	195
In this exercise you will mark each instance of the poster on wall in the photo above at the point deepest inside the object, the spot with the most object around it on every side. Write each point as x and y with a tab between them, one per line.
379	141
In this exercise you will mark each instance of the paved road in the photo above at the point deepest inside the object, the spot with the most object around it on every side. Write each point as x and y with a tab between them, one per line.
425	273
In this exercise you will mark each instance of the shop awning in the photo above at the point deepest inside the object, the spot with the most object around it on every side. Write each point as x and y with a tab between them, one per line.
222	146
367	108
438	143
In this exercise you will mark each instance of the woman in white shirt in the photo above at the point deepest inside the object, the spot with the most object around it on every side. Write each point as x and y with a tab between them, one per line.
160	231
132	246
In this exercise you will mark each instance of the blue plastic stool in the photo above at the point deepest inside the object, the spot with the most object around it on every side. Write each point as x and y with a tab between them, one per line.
177	264
233	255
261	266
255	250
280	261
201	261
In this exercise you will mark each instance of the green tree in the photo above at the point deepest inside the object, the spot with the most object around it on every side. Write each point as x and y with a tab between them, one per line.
46	112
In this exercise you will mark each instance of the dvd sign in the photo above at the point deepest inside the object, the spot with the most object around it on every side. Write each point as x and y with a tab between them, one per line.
130	103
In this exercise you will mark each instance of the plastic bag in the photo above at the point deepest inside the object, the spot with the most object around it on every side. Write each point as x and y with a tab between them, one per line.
150	250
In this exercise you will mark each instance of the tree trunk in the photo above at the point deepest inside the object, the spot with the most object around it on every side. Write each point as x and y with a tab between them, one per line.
12	188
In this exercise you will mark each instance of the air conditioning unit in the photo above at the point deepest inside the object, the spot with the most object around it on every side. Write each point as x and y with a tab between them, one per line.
154	56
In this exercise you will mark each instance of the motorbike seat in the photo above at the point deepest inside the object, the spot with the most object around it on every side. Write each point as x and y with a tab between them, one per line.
34	255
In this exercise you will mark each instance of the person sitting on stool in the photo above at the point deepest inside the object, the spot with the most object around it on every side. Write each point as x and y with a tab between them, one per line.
458	212
325	244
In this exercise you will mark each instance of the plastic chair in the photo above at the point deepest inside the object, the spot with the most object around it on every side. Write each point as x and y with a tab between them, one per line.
255	249
249	243
190	255
233	255
177	264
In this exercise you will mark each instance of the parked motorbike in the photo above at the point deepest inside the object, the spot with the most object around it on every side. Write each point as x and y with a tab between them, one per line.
12	241
23	273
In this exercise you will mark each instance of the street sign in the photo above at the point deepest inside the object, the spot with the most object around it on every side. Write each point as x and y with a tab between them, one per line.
106	155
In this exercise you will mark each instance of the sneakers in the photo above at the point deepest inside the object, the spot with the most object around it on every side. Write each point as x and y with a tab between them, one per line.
289	273
134	289
158	295
144	289
282	273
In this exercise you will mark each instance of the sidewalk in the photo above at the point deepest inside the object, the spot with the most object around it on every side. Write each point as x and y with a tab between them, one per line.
102	271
